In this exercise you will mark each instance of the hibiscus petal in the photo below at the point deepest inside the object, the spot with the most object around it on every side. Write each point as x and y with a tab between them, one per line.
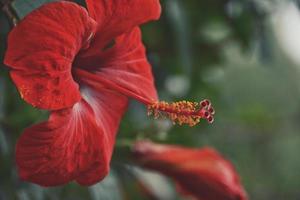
124	68
74	144
41	50
119	16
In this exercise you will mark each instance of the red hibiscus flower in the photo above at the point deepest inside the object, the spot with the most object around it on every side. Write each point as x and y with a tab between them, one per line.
200	173
82	66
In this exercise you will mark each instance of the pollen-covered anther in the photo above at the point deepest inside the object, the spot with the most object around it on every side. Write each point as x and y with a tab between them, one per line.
183	112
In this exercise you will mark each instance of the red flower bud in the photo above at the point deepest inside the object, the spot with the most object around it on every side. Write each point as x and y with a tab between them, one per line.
200	173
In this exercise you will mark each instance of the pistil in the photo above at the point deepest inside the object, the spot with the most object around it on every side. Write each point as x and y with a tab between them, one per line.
183	112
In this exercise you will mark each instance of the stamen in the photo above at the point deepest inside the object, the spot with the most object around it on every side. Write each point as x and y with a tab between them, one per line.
183	112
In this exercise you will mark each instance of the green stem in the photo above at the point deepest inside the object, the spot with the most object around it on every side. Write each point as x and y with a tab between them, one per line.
9	12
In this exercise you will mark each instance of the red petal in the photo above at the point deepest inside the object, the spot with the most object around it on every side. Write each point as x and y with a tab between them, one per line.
41	50
74	144
201	173
123	68
116	17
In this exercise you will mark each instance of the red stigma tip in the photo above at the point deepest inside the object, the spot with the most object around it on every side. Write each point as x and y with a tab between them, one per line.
210	119
203	103
206	114
211	110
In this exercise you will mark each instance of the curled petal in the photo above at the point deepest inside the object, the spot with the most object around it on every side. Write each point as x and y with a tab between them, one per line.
74	144
41	50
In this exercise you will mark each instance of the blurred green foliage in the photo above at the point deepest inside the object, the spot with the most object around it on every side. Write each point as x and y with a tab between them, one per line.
223	50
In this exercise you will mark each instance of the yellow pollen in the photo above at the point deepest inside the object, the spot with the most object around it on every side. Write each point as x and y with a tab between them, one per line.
183	112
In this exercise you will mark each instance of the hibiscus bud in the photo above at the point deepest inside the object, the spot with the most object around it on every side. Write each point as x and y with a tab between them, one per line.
199	173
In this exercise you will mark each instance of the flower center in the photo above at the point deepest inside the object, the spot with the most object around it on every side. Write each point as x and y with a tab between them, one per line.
183	112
